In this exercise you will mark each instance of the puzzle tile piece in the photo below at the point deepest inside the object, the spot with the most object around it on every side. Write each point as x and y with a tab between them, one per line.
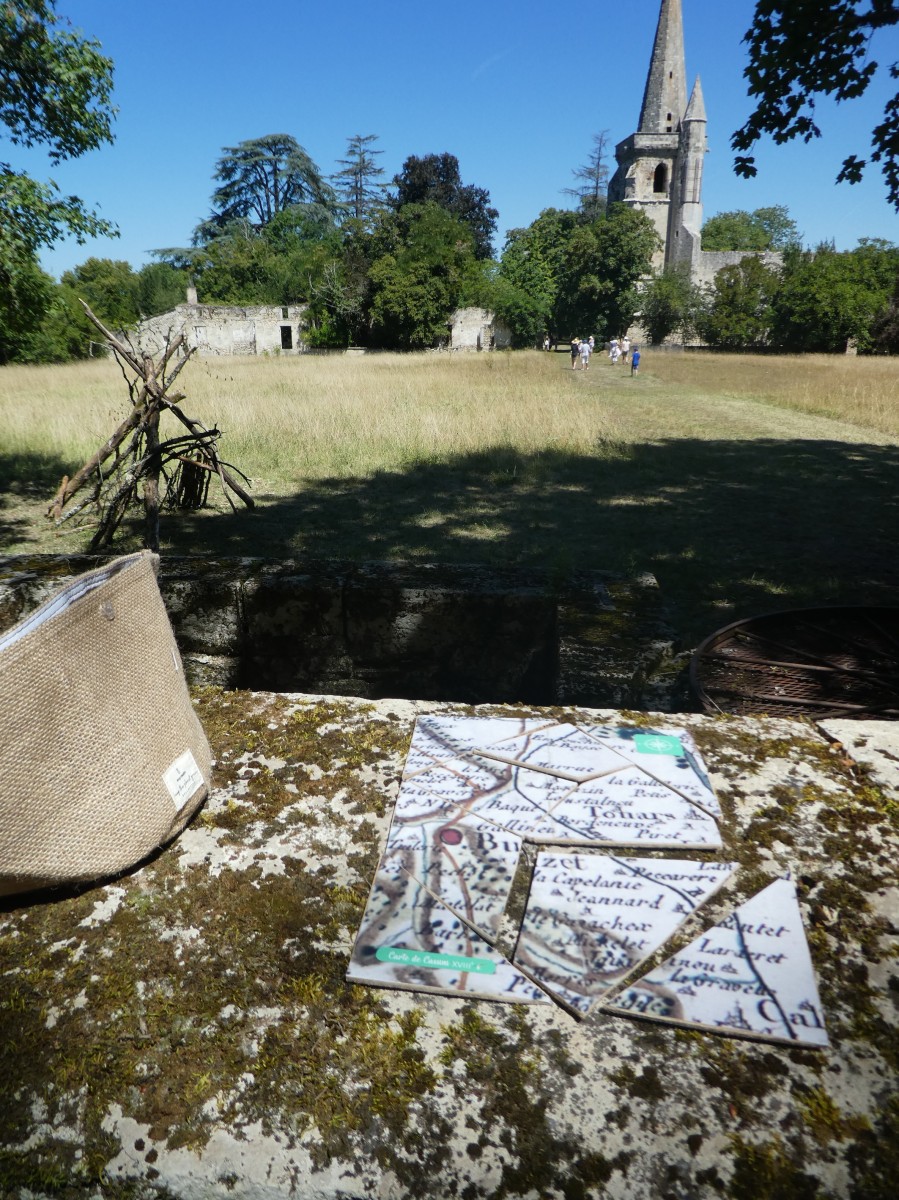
409	940
591	918
751	976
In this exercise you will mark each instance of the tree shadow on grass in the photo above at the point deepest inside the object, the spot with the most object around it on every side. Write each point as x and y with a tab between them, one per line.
729	528
28	483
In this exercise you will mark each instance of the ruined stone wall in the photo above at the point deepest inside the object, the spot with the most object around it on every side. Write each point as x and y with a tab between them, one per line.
708	263
478	329
218	330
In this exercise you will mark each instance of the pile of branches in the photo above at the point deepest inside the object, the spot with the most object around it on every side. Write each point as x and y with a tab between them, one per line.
132	461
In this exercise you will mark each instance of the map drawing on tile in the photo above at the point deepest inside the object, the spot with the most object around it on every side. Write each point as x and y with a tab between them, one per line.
409	940
592	919
751	976
473	789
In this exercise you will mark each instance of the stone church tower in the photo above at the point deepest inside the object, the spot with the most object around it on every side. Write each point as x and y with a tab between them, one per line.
660	166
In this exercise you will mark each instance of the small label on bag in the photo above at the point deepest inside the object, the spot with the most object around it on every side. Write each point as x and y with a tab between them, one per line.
182	779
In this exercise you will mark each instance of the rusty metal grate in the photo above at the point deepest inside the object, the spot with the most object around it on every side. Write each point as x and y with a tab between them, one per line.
816	662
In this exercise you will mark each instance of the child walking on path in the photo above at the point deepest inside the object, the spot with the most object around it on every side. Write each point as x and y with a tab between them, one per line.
635	360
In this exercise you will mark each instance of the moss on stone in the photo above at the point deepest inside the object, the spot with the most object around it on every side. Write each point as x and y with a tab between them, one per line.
503	1074
767	1171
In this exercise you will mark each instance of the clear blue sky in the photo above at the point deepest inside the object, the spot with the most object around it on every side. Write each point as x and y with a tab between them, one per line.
514	88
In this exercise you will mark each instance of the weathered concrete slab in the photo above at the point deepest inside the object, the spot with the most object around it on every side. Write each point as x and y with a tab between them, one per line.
873	743
187	1030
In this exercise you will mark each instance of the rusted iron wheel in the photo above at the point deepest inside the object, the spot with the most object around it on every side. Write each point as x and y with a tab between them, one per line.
816	662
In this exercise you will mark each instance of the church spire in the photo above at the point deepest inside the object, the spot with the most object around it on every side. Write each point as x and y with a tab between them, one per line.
665	98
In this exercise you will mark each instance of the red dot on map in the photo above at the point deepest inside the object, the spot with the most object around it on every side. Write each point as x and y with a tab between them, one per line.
451	837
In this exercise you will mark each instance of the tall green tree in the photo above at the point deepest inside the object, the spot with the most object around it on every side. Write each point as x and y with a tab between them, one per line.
26	293
418	282
592	187
741	311
160	288
885	329
110	287
801	49
764	229
435	179
829	297
359	184
55	92
601	267
671	303
260	178
531	264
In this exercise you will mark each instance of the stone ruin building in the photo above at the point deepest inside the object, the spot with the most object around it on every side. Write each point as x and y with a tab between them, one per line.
660	166
214	330
235	329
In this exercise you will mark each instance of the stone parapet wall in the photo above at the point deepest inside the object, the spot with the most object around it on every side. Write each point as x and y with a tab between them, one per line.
187	1031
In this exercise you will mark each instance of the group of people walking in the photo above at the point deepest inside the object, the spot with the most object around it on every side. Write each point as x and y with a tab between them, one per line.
619	348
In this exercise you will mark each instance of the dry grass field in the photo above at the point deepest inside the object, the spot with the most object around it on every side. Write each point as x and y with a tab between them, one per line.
743	483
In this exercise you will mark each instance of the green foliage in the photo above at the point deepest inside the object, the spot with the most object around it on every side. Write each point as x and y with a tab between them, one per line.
601	266
260	178
111	289
885	330
25	293
828	296
277	263
800	49
671	302
358	185
764	229
55	90
160	287
741	314
416	285
39	321
435	179
531	267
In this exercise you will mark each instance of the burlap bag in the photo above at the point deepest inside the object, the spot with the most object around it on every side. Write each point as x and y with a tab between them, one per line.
102	757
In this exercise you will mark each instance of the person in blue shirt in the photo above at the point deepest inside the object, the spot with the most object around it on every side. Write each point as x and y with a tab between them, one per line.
635	360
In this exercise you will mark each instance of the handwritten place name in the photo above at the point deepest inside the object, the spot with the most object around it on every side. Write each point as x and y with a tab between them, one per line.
459	963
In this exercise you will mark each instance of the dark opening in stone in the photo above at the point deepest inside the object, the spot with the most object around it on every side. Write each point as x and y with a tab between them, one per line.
422	631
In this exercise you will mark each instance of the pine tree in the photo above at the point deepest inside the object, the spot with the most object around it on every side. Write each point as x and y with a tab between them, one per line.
356	184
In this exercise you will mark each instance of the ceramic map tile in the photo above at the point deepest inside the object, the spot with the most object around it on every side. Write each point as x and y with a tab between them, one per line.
409	940
472	789
562	750
452	788
437	738
627	809
467	863
670	758
591	919
751	975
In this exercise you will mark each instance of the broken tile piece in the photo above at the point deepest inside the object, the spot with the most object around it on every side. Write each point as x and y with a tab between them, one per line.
669	757
591	918
562	750
409	940
467	863
450	788
627	809
749	976
438	738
